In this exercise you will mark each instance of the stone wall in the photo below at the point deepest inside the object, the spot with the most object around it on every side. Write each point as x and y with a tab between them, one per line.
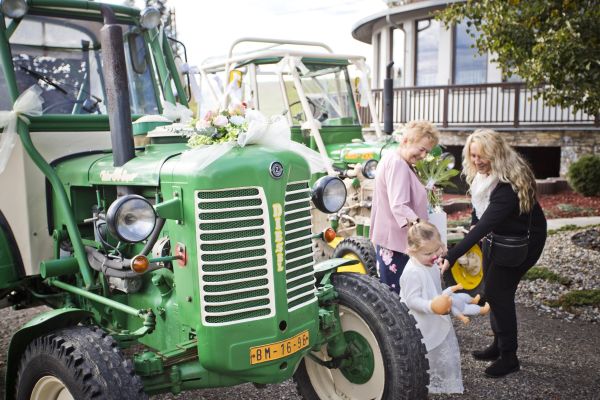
573	143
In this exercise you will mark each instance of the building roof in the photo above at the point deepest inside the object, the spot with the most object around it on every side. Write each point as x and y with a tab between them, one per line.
363	29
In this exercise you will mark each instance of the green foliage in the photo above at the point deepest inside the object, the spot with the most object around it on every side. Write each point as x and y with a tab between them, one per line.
553	43
584	175
578	298
545	274
434	172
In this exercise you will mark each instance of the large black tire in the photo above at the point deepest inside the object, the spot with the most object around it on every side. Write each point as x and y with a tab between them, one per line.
370	309
77	363
360	248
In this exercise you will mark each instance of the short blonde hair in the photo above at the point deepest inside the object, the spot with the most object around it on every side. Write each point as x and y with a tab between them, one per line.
420	233
417	130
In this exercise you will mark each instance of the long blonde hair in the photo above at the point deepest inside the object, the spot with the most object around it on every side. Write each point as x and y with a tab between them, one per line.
506	164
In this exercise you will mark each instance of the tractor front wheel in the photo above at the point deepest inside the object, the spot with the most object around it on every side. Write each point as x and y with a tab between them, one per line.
385	349
77	363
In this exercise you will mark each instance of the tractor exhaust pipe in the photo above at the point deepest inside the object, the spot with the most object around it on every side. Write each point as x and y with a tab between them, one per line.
388	100
117	92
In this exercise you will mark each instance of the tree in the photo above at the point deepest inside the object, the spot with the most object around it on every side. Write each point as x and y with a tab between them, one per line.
550	43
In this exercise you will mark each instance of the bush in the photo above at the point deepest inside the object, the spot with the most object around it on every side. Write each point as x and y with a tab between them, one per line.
584	175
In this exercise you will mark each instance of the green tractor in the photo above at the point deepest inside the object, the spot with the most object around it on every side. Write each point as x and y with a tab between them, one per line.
312	87
205	275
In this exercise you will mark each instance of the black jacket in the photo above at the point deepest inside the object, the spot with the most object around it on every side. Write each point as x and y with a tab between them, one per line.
502	216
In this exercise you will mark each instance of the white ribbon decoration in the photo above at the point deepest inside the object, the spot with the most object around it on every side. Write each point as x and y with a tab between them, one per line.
28	103
273	133
192	71
366	95
177	112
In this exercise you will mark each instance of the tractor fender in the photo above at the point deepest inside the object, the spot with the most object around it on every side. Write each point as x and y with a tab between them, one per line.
11	265
324	269
39	325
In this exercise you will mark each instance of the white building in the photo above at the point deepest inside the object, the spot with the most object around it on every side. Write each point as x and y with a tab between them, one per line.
438	76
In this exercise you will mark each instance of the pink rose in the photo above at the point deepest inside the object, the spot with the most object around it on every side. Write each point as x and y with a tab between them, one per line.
220	121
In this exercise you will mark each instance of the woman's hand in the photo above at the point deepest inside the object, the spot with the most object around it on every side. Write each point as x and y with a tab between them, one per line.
444	265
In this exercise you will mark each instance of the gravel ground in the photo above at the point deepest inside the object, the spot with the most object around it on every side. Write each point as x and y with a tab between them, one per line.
558	349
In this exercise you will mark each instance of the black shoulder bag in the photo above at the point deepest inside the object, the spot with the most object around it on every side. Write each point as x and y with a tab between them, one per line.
508	251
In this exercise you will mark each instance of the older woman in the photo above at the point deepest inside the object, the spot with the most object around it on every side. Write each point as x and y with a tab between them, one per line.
399	197
502	188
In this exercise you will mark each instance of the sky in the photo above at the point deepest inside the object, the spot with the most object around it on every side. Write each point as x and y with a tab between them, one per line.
208	27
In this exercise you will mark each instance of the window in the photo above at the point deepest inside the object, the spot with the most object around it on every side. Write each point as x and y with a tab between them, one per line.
398	56
469	65
428	35
63	57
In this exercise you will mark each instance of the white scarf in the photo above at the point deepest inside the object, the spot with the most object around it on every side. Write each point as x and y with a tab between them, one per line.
481	187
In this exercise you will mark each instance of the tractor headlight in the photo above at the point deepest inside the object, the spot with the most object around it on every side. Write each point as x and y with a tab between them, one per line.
131	218
369	167
150	18
329	194
14	8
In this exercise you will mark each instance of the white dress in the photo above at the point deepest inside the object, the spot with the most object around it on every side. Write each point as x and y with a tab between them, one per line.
418	285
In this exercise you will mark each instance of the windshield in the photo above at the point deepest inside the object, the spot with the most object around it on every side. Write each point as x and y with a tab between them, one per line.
328	92
63	57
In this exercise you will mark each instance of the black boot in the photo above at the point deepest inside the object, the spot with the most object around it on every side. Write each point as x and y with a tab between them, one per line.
490	353
507	363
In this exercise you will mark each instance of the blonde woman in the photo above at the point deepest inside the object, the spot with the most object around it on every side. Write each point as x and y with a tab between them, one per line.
399	197
502	189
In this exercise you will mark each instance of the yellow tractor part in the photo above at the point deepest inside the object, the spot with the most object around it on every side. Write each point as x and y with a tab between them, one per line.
468	269
358	267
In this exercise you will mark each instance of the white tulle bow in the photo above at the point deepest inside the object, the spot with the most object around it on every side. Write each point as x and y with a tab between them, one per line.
29	103
176	112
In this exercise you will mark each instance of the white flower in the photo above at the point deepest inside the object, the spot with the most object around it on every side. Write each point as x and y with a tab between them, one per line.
237	120
220	121
202	124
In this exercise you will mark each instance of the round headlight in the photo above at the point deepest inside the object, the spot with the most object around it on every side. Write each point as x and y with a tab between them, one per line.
14	8
450	156
131	218
369	167
329	194
150	18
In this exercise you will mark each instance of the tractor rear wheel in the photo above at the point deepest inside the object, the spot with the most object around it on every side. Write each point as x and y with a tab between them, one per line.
357	248
76	363
387	355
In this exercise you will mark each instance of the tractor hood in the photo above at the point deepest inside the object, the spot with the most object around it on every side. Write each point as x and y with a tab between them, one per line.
98	169
352	153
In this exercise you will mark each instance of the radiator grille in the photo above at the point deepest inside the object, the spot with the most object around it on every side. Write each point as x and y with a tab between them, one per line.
299	259
234	255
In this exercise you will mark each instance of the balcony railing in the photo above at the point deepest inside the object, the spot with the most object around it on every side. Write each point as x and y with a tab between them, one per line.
493	104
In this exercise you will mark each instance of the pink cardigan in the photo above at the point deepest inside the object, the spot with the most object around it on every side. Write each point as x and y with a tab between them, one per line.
399	196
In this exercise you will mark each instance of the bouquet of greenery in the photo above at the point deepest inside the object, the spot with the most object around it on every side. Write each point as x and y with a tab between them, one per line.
435	172
219	126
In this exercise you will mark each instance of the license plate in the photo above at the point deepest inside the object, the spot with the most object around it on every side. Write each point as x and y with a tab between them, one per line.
274	351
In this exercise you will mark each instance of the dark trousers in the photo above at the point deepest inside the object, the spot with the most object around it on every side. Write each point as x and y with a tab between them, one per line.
390	265
500	288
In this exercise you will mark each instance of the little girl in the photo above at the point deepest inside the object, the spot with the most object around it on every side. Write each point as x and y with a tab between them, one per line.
420	283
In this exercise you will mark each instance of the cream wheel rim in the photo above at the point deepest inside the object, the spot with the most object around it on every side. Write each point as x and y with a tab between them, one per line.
331	383
50	388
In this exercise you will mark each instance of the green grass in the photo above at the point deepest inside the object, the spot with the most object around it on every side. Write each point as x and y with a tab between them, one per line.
577	298
547	275
570	227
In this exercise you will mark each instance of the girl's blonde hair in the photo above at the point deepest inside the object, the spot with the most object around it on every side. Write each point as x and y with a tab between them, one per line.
421	233
416	130
506	164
